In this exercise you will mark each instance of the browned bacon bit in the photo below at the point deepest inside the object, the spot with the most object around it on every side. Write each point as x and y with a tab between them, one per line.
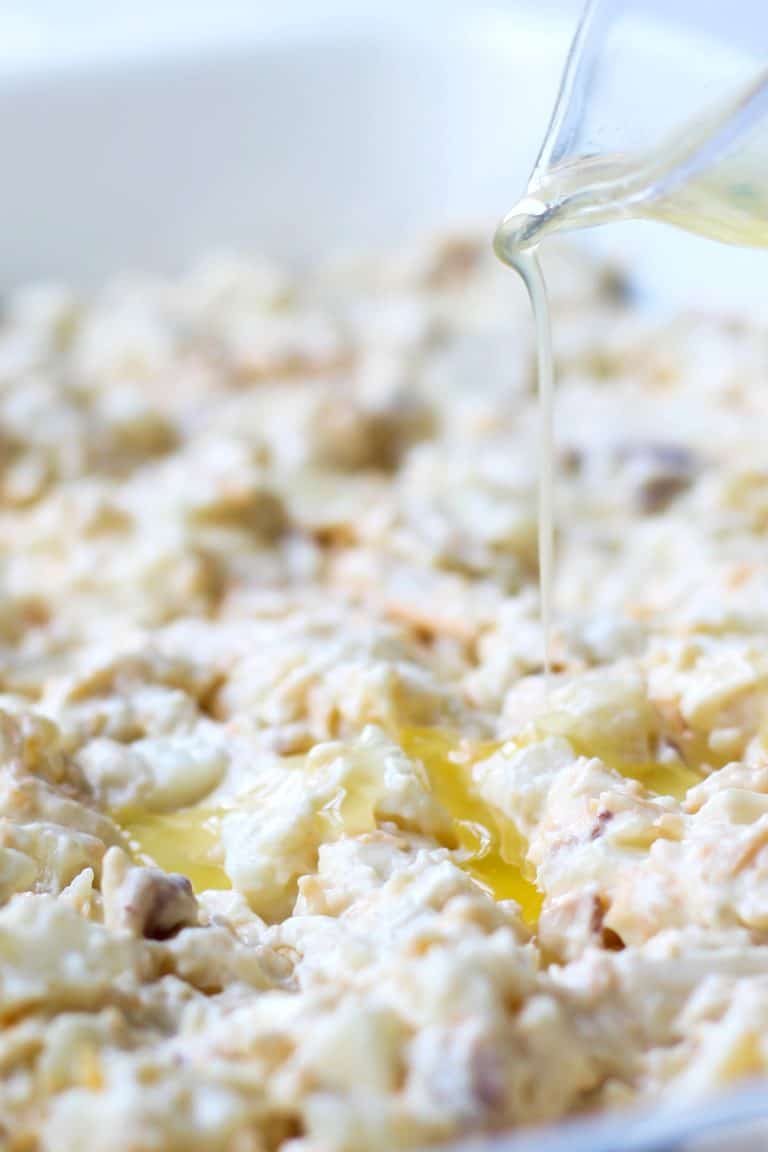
145	901
663	471
604	816
656	493
609	939
598	915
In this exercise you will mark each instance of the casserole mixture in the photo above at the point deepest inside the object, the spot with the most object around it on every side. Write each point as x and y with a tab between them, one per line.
296	851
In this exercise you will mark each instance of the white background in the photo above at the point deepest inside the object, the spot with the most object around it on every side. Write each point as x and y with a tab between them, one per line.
36	33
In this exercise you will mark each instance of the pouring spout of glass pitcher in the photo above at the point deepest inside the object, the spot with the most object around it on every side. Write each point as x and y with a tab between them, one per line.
522	228
614	151
544	210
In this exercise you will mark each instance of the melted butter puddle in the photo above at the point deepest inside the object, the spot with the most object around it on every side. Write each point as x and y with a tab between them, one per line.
490	849
188	840
665	779
185	841
671	776
492	852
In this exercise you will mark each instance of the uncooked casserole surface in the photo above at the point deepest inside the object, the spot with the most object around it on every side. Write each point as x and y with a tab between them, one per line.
298	850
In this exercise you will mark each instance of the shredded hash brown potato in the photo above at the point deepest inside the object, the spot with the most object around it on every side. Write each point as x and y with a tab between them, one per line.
296	850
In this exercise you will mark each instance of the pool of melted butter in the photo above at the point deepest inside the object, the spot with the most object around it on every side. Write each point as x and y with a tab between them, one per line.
490	849
671	778
666	775
185	841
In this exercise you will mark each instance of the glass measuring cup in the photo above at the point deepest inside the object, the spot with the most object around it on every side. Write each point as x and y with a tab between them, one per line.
615	149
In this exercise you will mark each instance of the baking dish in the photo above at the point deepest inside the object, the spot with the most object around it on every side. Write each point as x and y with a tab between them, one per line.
317	133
